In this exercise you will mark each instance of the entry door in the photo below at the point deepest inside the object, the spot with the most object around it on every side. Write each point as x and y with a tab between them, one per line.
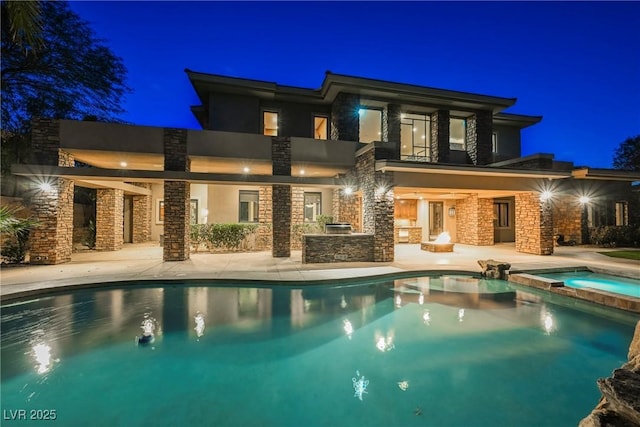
435	219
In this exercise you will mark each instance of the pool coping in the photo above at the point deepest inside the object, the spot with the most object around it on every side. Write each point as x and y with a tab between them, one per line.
597	296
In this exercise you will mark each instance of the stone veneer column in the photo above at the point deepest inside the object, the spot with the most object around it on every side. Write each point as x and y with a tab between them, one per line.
391	128
297	216
479	130
378	206
109	219
142	216
567	219
440	148
534	224
265	219
177	195
345	121
52	240
474	223
281	197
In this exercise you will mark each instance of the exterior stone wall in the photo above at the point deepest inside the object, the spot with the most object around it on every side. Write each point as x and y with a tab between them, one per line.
177	217
345	122
297	215
440	149
264	238
479	133
346	208
52	240
378	206
177	197
337	248
142	216
474	224
534	224
281	208
567	219
109	216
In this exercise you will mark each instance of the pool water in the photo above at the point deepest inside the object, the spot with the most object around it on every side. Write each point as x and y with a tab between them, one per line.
603	282
439	351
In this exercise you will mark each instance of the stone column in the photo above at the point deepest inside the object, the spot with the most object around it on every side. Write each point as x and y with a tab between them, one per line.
52	204
177	195
265	218
534	224
440	136
281	197
109	219
474	224
142	216
479	129
346	208
345	121
297	217
567	219
377	203
391	128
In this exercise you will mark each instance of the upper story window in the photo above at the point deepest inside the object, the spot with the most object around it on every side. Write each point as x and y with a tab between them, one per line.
312	206
248	210
320	127
494	142
270	123
457	134
415	137
370	124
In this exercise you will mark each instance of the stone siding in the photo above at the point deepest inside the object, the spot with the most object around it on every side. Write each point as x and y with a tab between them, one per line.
474	223
109	216
345	121
177	217
281	208
534	224
479	133
337	248
264	237
378	206
567	219
142	216
297	217
346	208
440	149
52	240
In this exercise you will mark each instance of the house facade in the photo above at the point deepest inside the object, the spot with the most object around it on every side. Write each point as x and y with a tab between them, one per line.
400	163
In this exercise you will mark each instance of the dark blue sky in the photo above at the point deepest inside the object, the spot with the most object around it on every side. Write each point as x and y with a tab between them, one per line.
577	64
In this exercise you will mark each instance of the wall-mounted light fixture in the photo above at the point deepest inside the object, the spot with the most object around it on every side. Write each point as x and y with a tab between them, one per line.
452	211
584	200
545	195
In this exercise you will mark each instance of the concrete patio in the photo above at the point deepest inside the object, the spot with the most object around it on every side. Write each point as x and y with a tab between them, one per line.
144	262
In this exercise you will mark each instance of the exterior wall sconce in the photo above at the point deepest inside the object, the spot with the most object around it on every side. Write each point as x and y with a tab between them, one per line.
452	211
584	200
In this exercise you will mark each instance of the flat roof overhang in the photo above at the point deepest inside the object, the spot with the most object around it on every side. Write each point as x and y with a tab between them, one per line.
111	178
606	174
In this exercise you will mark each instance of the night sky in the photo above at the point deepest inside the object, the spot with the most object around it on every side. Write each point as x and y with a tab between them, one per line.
576	64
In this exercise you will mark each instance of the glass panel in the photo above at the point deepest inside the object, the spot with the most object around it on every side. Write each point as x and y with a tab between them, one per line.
270	122
248	210
320	127
621	213
457	134
435	219
370	125
312	206
494	142
501	215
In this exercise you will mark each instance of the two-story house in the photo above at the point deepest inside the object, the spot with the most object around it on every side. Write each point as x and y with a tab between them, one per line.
400	163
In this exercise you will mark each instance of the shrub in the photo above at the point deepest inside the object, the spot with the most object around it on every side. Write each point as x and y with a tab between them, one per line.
221	236
611	235
323	220
16	230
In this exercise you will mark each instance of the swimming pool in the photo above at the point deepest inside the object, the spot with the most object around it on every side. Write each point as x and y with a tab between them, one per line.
442	351
603	282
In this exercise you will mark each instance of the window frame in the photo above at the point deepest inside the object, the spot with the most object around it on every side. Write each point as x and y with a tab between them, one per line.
379	110
498	216
464	133
266	111
494	142
304	205
257	210
326	126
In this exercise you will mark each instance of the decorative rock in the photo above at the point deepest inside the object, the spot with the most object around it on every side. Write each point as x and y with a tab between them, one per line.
493	269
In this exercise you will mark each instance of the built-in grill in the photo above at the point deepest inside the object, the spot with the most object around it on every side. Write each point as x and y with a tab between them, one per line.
338	228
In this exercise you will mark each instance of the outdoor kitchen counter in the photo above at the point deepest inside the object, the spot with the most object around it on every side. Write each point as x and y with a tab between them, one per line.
353	247
412	234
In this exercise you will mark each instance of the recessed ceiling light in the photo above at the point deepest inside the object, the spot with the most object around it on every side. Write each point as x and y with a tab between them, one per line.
301	171
246	169
123	164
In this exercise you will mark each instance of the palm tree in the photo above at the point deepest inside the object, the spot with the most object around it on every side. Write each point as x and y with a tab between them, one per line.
25	22
17	230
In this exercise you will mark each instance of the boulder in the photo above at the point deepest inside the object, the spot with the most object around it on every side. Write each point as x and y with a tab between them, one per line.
493	269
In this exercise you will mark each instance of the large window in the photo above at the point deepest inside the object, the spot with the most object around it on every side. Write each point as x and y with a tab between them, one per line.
248	211
457	134
270	123
494	142
370	124
320	127
415	137
501	215
622	218
312	206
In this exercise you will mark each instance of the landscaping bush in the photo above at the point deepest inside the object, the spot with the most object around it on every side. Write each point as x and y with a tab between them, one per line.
613	236
221	236
15	232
